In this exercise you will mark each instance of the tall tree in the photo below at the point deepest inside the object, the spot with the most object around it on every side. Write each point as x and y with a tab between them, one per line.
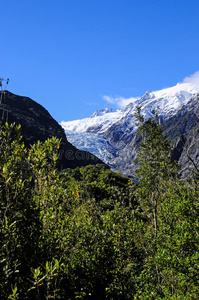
155	164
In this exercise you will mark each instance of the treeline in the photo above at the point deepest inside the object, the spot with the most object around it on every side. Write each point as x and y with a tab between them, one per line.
91	233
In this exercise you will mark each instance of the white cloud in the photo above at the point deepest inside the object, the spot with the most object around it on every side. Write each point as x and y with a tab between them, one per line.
193	80
119	101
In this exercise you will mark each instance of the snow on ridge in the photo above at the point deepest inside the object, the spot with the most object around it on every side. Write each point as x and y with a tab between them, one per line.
179	88
99	120
166	101
104	111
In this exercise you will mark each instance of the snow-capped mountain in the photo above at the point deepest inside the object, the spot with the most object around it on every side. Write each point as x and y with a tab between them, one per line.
99	122
111	134
166	101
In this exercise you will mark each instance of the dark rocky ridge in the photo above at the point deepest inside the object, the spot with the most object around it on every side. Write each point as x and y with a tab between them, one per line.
38	124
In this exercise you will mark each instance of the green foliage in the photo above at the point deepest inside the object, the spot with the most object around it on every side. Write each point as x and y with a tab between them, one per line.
91	233
170	235
100	184
18	233
155	154
156	167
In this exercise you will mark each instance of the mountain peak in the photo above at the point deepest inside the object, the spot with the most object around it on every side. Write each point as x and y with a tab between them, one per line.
102	112
148	95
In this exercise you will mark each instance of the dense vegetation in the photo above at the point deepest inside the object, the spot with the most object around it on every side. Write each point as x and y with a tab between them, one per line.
91	233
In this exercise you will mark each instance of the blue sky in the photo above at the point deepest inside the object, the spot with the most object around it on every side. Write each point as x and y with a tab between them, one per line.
68	54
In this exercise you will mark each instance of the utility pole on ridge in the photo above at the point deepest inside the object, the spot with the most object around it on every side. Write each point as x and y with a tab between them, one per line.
1	98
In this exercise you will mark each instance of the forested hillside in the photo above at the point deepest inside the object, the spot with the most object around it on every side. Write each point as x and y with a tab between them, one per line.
90	233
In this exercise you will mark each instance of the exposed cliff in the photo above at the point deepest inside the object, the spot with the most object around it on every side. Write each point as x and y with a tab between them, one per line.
183	131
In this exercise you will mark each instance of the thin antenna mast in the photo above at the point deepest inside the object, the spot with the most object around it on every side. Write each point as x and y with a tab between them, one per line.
1	98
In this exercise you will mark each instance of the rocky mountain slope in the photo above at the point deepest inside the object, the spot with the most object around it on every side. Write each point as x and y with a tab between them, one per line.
112	134
38	124
183	130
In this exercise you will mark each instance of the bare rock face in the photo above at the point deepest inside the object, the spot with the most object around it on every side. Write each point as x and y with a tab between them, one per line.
38	124
183	131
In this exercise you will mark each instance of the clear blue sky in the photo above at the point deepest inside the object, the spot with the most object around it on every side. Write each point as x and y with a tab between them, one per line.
68	54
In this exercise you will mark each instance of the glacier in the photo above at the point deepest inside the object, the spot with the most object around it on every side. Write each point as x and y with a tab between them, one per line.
96	144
